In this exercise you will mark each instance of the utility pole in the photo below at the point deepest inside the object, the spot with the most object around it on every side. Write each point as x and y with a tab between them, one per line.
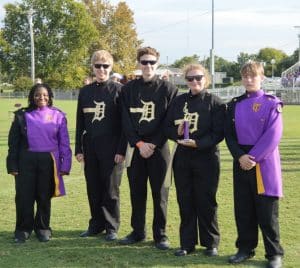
29	15
298	28
212	54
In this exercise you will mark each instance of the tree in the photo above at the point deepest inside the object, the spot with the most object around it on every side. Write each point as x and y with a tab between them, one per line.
266	55
287	62
185	61
63	31
117	33
243	57
123	39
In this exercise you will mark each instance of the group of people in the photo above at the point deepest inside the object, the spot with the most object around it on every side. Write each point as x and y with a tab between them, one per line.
129	126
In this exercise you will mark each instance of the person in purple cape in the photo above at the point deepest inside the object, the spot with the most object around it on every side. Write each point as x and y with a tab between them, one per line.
39	155
253	130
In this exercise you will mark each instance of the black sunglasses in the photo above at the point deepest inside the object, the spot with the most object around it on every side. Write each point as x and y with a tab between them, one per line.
197	77
146	62
98	66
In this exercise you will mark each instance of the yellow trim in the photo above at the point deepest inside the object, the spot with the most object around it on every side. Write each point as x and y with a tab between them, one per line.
88	110
178	122
259	180
56	180
136	110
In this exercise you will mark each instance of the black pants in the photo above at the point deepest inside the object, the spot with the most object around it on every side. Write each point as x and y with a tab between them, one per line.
103	178
196	178
155	168
34	183
253	210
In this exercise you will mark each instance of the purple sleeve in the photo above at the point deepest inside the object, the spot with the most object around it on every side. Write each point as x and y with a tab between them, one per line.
65	153
271	136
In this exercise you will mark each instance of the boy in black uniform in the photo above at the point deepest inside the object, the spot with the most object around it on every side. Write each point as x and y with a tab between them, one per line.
101	145
145	102
196	162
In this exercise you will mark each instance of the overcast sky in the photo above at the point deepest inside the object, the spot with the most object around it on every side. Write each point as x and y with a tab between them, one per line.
180	28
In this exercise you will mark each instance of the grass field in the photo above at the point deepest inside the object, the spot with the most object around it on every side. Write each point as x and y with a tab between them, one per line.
70	215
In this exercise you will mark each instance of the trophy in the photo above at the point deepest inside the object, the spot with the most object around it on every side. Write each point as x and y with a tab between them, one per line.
186	132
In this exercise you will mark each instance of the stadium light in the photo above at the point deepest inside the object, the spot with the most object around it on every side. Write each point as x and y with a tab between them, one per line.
273	61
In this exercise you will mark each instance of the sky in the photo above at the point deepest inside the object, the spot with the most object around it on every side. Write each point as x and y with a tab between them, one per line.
178	28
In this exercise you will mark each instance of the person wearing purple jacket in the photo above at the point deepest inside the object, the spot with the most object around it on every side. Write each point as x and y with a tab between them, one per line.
39	155
253	130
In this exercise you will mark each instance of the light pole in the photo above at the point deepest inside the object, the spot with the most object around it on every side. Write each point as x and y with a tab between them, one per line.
273	61
29	16
212	55
298	28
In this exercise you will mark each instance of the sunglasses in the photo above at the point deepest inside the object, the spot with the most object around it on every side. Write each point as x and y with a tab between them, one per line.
146	62
191	78
98	66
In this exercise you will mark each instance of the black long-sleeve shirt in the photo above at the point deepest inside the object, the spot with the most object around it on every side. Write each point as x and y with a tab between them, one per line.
99	114
205	113
144	109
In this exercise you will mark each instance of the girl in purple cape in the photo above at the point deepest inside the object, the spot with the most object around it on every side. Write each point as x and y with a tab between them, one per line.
39	155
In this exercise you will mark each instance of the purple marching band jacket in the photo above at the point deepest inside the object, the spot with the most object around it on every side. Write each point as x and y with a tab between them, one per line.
258	122
47	132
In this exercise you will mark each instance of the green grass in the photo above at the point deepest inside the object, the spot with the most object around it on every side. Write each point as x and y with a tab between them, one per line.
70	215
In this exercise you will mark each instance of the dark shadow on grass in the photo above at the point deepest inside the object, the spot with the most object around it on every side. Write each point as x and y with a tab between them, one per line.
70	250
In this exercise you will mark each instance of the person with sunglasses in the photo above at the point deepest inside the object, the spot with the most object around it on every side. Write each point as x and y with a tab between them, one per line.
101	146
39	155
253	130
195	121
145	103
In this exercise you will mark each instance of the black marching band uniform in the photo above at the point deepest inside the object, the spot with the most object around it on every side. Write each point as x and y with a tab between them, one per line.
144	109
196	170
99	137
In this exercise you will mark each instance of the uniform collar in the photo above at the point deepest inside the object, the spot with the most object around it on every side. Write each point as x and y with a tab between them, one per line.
255	94
201	94
101	83
150	82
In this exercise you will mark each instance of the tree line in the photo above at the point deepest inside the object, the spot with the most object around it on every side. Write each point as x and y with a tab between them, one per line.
282	61
67	32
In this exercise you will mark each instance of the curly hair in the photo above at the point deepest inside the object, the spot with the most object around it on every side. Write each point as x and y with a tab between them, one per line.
31	103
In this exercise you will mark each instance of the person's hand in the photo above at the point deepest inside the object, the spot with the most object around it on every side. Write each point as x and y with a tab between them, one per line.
79	157
119	158
180	129
14	173
147	149
188	143
63	173
247	162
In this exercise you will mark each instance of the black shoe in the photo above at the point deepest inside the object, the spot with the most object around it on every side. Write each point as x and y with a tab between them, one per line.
43	235
163	244
19	240
131	239
21	237
89	233
211	252
111	236
275	262
183	252
241	256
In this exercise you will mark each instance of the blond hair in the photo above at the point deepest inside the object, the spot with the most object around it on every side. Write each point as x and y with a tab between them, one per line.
199	67
102	55
252	68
